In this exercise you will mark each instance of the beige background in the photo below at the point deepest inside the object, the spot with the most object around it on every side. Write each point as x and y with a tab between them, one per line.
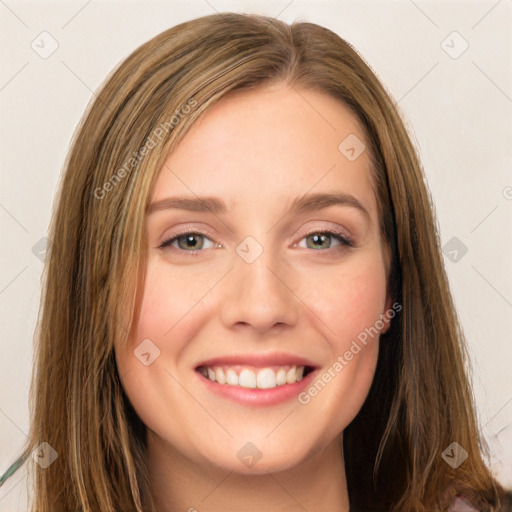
460	110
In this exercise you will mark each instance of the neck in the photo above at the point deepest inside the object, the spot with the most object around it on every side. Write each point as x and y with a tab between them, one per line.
318	483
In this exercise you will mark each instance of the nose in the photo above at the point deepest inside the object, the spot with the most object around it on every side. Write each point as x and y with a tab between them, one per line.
259	295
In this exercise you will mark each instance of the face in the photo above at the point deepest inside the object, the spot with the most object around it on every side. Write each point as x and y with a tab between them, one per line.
269	288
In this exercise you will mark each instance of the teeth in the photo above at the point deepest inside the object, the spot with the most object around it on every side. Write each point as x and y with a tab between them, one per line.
231	377
281	377
247	379
265	378
291	376
220	377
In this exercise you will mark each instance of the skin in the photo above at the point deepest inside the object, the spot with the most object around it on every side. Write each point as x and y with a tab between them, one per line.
257	150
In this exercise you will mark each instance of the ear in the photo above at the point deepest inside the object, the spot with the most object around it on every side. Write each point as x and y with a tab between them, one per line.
386	319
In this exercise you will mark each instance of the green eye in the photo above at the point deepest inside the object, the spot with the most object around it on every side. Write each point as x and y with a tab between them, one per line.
192	241
320	238
187	242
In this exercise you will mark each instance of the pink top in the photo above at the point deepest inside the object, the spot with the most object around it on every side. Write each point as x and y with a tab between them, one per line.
459	504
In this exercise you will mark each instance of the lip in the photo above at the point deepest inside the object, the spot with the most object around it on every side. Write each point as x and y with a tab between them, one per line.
258	360
257	397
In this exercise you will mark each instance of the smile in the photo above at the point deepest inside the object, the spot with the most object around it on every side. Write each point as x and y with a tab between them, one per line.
252	377
256	379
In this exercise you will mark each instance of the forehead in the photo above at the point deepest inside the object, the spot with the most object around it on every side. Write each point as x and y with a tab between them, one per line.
266	147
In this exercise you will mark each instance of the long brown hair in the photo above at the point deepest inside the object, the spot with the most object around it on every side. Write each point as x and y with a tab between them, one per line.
420	401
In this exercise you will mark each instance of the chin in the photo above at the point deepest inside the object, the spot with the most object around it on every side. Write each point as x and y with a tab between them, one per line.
247	458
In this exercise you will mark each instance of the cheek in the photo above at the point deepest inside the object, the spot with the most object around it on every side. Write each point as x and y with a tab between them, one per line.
349	299
171	313
349	305
166	307
171	298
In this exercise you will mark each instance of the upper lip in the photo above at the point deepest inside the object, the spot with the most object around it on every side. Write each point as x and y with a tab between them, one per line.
258	360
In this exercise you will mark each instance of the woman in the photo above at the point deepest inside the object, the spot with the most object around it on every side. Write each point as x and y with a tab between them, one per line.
261	372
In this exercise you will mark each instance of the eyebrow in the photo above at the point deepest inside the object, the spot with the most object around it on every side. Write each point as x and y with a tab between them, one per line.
302	204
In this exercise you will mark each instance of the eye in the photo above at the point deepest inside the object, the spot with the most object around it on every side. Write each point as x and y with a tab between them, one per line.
319	239
187	242
191	241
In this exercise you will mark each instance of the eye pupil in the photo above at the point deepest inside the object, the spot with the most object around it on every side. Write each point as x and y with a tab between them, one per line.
317	238
190	238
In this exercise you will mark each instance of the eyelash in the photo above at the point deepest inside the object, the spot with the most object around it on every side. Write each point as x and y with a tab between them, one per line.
339	235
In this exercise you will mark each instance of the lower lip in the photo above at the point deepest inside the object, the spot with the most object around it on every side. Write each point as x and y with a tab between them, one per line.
256	396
